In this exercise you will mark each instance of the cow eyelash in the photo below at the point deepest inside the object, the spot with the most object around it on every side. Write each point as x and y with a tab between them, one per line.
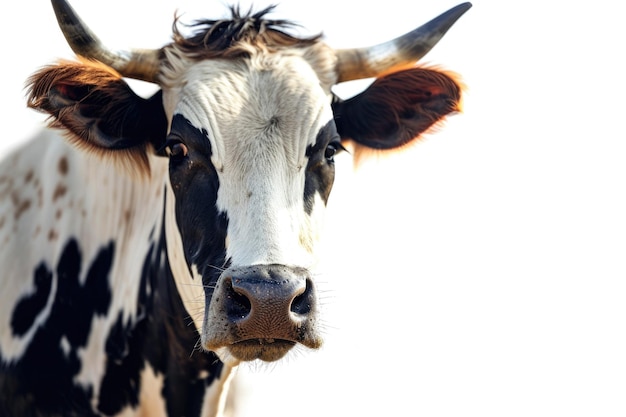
332	149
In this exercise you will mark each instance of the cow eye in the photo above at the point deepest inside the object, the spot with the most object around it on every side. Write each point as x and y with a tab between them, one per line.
331	150
176	149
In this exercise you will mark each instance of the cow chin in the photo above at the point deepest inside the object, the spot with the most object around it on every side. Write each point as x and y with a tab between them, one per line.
268	350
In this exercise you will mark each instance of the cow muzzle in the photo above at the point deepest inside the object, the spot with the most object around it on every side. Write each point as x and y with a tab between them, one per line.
261	312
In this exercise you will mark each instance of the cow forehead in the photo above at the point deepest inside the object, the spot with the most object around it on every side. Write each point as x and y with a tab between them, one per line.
239	101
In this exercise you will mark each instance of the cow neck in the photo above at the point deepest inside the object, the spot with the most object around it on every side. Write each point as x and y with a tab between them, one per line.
170	320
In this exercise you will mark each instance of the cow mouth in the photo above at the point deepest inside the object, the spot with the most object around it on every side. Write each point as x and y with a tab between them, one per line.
265	349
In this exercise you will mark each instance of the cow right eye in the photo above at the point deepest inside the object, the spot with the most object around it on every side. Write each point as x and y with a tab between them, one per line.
332	149
176	149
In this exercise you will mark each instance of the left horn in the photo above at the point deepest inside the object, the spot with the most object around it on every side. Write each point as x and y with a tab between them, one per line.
141	64
353	64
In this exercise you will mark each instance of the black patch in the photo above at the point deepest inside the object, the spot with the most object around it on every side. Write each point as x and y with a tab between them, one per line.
41	381
195	184
162	335
181	360
121	382
29	307
320	170
116	346
80	303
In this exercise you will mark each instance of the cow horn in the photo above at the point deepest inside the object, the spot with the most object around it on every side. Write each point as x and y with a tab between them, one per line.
353	64
141	64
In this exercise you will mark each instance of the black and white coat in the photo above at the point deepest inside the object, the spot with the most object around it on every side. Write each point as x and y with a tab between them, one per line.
166	240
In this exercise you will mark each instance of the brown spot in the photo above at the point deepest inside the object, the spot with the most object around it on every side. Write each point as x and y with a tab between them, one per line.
52	235
127	216
29	176
20	205
59	192
63	165
21	208
58	214
2	220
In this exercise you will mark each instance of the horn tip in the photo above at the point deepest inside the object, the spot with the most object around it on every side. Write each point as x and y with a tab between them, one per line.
461	8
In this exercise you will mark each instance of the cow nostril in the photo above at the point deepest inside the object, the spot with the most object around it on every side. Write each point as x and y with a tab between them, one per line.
303	303
238	306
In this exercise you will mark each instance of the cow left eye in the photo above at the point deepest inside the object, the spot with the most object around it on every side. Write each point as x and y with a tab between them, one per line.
176	149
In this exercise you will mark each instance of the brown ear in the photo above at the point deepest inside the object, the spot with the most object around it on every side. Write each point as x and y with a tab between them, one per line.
99	110
397	108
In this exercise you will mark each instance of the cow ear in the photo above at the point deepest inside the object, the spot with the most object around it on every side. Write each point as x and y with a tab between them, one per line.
397	108
97	109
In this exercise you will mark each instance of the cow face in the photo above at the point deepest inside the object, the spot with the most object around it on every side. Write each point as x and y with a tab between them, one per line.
248	127
251	147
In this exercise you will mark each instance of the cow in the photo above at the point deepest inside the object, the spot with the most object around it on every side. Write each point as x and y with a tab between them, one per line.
158	242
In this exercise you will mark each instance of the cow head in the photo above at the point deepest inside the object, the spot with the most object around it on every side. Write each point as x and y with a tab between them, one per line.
243	133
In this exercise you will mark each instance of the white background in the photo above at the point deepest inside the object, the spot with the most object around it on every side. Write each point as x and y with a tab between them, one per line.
479	273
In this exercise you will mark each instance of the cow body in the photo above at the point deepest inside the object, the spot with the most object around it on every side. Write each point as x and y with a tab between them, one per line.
167	239
92	310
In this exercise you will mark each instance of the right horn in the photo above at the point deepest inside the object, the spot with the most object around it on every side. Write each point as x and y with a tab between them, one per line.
357	63
141	64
